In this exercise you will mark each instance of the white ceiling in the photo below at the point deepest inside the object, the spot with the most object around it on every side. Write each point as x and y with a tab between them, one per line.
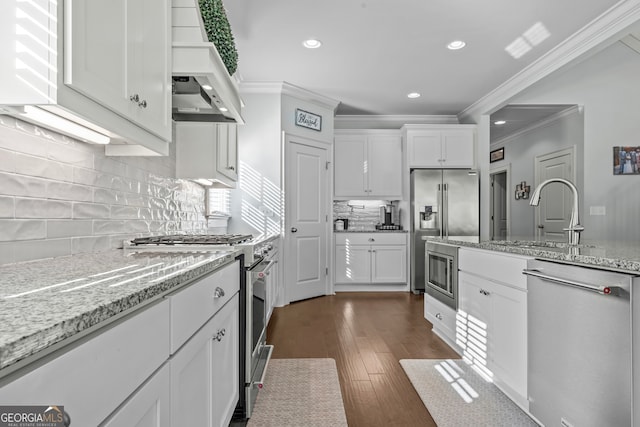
376	51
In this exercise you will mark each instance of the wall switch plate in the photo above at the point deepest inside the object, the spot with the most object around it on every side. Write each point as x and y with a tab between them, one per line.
597	210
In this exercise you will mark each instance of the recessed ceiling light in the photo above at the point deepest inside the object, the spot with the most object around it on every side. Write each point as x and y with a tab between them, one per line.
206	87
456	44
413	95
499	122
312	43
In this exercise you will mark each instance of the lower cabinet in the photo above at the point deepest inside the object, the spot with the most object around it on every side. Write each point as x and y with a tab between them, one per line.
149	406
492	318
137	372
370	258
204	373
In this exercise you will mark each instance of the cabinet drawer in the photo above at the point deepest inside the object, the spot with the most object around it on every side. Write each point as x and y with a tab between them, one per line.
365	238
497	266
442	317
93	379
193	306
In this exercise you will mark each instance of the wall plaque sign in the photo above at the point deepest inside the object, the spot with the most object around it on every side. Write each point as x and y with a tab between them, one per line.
308	120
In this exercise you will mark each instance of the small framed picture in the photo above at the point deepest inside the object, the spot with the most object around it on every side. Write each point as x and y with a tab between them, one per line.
496	155
626	160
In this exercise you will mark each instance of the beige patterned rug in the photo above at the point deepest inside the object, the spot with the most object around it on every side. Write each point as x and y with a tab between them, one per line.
456	396
300	392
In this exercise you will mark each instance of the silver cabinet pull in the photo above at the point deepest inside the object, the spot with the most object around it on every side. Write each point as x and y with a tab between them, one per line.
135	97
143	103
231	168
438	316
219	334
294	230
483	292
218	293
371	239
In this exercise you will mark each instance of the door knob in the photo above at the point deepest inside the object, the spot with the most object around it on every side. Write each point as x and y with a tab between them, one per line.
294	230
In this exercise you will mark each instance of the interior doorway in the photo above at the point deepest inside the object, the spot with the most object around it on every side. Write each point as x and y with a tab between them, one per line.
499	204
554	211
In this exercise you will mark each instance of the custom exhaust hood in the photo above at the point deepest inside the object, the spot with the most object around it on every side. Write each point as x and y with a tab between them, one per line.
203	90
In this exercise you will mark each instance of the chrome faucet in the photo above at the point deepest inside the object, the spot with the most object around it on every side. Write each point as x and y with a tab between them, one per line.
574	227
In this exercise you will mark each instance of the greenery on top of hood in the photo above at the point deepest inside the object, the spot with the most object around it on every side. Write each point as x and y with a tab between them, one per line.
219	32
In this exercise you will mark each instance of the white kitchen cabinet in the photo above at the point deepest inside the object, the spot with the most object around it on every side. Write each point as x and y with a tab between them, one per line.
353	263
431	146
206	150
368	164
97	375
86	61
149	406
227	155
492	312
204	373
118	54
370	258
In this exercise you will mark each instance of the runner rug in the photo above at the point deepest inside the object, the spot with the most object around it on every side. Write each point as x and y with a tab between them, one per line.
299	392
455	395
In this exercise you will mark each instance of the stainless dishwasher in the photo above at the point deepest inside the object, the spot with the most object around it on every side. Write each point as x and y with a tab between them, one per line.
579	340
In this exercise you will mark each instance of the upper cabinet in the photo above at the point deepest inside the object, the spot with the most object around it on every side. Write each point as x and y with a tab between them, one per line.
87	67
368	164
440	146
207	151
117	53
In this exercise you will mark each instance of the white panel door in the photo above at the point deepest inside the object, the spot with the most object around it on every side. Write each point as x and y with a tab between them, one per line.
554	212
384	166
353	264
350	154
149	406
306	187
389	264
425	149
457	149
96	51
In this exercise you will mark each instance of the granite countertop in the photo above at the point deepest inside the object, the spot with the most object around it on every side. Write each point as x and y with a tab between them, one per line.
610	255
48	301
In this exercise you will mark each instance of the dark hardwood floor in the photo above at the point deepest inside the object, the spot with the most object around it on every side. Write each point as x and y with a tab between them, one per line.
367	334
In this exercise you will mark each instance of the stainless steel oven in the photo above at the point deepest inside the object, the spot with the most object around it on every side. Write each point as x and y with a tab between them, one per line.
258	353
441	272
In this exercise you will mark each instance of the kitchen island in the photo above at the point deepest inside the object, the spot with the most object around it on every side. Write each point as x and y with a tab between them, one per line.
607	255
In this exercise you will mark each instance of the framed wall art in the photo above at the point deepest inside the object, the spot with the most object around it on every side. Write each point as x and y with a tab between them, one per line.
496	155
626	160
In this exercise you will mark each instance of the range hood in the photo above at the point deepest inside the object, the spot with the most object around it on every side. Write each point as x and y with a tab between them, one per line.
203	90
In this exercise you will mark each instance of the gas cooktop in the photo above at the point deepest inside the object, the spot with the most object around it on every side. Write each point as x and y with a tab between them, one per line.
194	239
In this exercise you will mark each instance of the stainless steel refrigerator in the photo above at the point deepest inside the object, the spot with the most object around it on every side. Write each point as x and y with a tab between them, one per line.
444	203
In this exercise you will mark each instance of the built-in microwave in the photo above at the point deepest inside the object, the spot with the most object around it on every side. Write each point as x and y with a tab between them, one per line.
441	272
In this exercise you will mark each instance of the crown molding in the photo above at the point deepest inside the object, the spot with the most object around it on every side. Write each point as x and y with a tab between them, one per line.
284	88
601	32
365	121
539	124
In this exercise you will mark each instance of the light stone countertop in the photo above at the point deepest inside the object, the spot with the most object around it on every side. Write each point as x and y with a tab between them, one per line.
45	302
610	255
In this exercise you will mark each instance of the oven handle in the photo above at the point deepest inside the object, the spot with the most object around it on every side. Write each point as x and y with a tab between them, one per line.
265	271
260	383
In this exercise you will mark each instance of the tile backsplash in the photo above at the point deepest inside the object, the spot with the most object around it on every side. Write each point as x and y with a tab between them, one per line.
59	196
362	214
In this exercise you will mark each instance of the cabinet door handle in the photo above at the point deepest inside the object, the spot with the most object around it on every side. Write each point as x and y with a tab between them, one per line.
219	334
483	292
231	168
135	98
143	103
218	293
294	230
438	316
371	239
